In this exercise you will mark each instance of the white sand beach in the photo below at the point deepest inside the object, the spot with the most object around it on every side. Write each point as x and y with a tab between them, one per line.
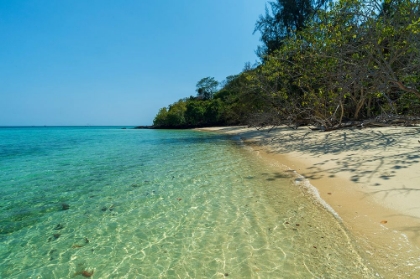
370	177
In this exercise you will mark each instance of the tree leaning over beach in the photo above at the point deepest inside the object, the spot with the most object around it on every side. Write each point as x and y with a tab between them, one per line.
357	60
351	61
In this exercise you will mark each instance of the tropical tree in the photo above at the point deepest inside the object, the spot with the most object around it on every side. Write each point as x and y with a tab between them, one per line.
160	118
284	19
206	88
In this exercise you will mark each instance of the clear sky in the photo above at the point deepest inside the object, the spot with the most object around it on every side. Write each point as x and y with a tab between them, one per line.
102	62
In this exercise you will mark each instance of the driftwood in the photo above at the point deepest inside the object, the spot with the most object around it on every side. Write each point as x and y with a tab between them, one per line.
376	122
385	120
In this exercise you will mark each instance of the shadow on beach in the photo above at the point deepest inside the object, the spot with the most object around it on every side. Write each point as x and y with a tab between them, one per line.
362	153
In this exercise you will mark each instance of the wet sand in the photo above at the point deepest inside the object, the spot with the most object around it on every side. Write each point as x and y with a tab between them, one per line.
370	177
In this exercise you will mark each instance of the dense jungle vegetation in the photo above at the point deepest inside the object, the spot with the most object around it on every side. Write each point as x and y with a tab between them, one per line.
326	63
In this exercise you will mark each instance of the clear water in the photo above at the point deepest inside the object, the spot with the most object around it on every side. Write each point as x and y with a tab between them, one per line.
123	203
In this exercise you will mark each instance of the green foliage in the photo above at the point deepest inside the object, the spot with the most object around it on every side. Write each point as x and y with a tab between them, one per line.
334	68
195	112
357	59
206	87
160	118
214	109
191	112
176	113
285	18
172	117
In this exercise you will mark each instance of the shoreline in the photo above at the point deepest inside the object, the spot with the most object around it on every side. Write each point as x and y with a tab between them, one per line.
369	177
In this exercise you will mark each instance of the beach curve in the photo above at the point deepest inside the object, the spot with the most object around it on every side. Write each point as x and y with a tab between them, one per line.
367	176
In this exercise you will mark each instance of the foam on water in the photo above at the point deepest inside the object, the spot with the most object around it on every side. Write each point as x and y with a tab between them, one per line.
302	181
159	204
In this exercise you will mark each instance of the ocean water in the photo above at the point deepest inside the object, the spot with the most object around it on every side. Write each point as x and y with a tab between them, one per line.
106	202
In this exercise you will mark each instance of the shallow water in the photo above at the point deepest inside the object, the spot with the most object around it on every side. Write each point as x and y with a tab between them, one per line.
159	204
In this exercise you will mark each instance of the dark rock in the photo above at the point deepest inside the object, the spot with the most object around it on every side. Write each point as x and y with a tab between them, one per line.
144	127
65	206
51	253
59	227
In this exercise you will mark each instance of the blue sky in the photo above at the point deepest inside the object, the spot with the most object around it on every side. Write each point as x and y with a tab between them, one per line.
100	62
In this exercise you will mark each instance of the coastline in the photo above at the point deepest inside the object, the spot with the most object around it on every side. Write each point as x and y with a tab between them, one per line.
369	177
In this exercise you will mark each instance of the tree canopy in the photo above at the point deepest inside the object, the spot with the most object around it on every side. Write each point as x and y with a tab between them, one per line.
353	61
284	19
206	87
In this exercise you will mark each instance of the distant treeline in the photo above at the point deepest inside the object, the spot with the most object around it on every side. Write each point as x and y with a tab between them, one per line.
321	63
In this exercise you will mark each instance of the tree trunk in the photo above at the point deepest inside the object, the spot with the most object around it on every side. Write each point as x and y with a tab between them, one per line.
359	104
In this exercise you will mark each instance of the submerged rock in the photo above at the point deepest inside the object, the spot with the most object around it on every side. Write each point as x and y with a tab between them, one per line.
65	206
55	236
58	227
84	273
51	253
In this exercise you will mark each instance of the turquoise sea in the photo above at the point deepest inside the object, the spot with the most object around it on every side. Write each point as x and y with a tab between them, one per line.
106	202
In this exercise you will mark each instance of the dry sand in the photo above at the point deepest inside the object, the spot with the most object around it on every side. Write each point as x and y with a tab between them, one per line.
370	177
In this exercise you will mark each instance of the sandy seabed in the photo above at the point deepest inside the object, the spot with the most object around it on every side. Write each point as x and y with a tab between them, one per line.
370	177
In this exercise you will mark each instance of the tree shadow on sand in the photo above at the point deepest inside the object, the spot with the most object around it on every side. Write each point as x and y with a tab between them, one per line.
380	160
364	151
